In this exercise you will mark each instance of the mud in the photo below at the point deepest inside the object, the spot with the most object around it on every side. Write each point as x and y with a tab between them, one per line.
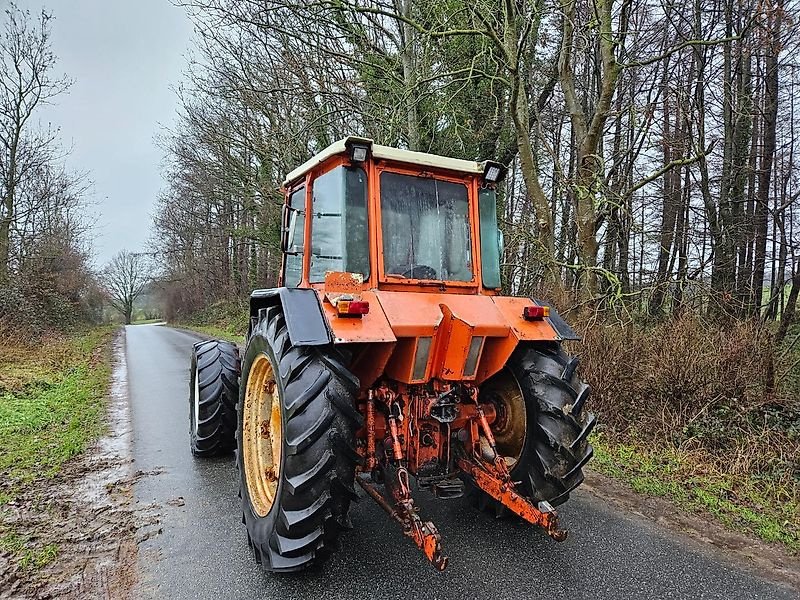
765	560
87	511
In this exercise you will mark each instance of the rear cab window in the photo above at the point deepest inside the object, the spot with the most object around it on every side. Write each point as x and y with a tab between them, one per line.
426	228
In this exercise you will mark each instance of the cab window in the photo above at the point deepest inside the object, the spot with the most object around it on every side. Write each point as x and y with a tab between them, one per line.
339	223
490	239
426	232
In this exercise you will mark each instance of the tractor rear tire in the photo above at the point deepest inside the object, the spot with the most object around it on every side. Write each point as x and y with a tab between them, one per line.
296	487
213	393
554	449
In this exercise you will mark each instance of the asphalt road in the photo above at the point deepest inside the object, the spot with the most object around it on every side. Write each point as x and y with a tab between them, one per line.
197	548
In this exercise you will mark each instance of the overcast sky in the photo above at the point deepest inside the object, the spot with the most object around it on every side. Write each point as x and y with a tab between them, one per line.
124	57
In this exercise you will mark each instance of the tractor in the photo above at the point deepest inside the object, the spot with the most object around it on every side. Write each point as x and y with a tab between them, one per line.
389	353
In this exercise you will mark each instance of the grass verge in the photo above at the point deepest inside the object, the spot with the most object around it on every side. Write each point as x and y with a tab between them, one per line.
225	320
759	505
146	321
52	397
214	331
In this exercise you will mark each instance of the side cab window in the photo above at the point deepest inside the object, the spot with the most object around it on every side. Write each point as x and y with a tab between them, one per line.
339	223
293	267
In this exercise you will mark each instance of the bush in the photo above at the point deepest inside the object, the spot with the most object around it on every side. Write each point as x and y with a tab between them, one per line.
695	386
231	316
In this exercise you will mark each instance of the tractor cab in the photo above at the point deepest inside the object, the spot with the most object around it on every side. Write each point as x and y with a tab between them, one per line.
395	218
402	250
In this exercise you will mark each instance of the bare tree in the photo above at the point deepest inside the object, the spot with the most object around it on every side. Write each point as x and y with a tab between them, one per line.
26	83
125	278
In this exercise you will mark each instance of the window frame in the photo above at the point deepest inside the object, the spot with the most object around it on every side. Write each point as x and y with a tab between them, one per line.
470	184
286	255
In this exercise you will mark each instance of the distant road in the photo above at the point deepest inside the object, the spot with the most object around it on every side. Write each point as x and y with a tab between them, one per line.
202	550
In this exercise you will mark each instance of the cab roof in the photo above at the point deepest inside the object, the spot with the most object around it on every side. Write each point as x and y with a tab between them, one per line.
387	153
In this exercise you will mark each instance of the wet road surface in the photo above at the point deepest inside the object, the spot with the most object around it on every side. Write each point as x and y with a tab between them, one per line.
198	549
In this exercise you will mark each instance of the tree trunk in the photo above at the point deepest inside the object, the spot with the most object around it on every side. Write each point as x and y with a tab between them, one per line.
765	171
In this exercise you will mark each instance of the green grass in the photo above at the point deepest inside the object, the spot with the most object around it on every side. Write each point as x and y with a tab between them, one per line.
57	412
755	504
29	554
146	321
51	408
214	331
52	398
226	320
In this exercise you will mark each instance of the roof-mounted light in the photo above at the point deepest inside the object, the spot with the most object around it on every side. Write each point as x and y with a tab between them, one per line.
358	149
493	172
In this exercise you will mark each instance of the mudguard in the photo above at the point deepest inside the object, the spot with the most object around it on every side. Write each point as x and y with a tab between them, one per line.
562	328
302	311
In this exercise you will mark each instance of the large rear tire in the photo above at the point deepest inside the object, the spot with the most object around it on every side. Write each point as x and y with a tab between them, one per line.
213	393
541	423
296	446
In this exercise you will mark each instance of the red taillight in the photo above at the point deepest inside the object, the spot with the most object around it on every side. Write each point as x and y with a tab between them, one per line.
352	308
535	313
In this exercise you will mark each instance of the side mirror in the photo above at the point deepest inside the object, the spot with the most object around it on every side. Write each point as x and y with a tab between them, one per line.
501	244
288	222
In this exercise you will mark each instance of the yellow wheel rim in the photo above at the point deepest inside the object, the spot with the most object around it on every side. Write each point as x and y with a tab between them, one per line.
262	437
511	422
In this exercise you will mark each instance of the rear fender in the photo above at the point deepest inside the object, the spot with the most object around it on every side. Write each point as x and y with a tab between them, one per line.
563	330
301	309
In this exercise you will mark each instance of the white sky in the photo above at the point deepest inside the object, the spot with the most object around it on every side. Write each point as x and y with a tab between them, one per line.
124	57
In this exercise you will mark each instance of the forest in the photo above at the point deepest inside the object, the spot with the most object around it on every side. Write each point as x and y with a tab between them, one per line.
651	145
652	194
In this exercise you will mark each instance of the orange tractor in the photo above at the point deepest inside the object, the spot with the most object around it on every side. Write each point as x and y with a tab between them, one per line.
389	353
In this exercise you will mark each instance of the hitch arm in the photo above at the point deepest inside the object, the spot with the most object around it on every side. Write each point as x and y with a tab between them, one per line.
504	492
422	533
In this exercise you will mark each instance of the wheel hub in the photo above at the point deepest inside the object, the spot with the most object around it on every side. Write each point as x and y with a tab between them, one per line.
511	422
262	435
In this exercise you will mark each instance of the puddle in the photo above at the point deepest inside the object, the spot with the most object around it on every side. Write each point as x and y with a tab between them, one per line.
110	462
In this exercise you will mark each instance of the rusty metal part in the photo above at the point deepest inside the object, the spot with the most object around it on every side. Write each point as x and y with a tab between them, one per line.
397	449
371	461
378	497
262	438
423	533
417	442
467	415
338	284
508	496
396	475
503	393
384	394
498	461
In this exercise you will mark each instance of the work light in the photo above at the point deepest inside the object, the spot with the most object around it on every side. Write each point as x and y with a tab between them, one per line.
358	151
493	172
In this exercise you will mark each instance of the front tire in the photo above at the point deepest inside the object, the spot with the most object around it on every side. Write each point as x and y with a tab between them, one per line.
296	446
213	393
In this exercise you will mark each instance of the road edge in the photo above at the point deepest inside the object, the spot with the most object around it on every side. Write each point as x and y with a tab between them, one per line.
766	561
